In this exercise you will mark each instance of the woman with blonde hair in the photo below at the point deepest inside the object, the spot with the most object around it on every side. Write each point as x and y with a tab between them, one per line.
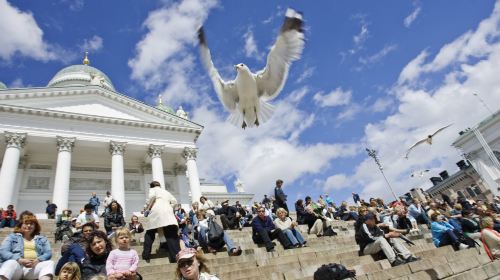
287	226
70	271
191	265
490	238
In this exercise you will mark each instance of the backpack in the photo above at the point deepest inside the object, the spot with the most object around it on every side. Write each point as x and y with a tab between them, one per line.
333	271
215	233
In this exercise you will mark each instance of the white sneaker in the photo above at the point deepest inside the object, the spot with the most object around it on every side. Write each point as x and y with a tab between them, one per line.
463	246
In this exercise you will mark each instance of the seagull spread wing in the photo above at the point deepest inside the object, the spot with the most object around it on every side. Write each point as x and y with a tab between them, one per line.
441	129
288	48
414	145
226	91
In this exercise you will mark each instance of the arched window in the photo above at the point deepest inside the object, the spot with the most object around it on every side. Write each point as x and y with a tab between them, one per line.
476	189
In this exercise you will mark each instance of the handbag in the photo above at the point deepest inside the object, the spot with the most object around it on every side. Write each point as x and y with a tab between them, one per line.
215	233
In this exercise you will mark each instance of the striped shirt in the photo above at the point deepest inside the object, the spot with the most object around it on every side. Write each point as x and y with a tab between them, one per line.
121	260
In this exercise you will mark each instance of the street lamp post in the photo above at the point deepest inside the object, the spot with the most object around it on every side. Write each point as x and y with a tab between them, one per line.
482	102
373	154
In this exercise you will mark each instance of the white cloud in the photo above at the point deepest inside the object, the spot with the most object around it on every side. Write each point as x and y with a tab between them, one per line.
271	151
256	156
296	95
381	104
251	49
336	97
413	69
412	17
21	35
349	112
93	44
336	182
421	111
306	74
378	56
472	44
360	38
161	56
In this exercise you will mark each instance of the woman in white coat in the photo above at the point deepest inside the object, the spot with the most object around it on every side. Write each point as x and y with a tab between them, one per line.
161	219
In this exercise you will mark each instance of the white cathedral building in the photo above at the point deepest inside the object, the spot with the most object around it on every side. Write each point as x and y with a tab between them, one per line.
78	135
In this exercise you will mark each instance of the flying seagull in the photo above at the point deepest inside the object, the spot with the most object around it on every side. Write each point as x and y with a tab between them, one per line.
419	173
427	140
246	97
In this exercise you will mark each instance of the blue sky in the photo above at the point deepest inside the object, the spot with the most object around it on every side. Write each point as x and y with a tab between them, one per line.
381	74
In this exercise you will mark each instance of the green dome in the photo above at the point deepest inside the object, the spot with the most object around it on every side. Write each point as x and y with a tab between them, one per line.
165	108
80	75
2	86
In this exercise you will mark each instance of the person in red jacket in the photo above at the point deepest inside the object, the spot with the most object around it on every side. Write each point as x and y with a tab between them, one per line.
8	217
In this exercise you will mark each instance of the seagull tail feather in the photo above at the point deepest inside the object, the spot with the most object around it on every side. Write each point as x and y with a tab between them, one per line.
236	118
266	111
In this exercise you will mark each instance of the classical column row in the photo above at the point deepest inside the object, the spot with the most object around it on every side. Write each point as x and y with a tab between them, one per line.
16	141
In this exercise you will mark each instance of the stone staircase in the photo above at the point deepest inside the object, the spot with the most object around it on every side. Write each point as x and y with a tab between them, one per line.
295	264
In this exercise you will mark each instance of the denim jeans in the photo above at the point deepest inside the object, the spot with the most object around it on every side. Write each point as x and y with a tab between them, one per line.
448	238
202	238
8	222
294	236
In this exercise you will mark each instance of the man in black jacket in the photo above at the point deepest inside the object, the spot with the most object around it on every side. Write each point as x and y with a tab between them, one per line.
279	196
229	216
371	240
264	231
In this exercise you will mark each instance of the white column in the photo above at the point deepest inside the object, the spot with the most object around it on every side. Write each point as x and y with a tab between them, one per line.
8	173
194	181
117	149
155	152
61	185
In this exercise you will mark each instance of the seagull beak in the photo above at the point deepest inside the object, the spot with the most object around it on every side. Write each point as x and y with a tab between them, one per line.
236	67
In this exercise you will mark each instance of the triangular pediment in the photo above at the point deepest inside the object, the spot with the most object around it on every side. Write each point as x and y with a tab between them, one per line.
93	101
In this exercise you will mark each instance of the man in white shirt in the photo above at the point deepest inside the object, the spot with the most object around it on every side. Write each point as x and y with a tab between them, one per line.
107	201
88	216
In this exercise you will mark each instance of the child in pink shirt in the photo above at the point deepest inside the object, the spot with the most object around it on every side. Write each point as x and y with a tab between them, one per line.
122	262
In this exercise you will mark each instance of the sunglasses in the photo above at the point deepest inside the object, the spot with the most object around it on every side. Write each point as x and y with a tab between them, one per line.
261	211
184	263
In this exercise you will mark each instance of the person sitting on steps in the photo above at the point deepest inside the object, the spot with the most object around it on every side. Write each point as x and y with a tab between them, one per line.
212	246
264	231
443	233
289	228
229	216
371	240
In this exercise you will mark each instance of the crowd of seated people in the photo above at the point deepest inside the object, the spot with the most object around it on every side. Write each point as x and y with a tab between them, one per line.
87	247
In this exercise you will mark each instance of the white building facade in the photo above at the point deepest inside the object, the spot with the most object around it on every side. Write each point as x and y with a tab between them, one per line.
481	146
78	135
